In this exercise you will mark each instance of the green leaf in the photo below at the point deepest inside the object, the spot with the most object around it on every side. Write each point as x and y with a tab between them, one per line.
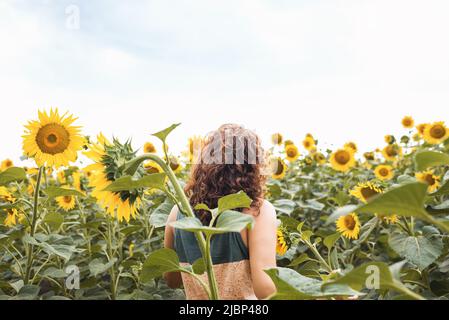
359	277
229	221
97	266
28	292
199	267
54	192
234	201
291	285
54	219
419	250
159	217
127	183
202	206
162	135
158	263
299	260
285	206
330	241
12	174
427	159
406	200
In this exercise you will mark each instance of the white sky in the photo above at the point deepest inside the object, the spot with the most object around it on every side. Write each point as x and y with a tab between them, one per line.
342	70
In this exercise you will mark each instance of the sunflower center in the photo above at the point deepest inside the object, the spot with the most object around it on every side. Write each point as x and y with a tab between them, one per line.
350	222
383	172
368	193
67	199
279	168
53	139
342	157
174	165
430	179
291	152
438	131
392	151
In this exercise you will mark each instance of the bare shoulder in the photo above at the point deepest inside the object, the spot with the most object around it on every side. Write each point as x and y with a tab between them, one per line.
173	214
266	212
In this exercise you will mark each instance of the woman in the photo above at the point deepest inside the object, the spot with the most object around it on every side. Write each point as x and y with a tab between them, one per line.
230	160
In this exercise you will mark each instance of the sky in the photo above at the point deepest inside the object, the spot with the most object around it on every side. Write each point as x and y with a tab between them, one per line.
342	70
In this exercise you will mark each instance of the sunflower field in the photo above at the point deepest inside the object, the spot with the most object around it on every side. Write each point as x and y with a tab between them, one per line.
352	225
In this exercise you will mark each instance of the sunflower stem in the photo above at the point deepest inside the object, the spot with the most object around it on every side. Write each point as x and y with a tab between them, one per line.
30	250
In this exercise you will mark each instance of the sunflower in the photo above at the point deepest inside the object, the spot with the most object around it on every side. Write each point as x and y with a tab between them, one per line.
61	177
429	178
319	158
152	167
6	164
369	156
175	164
291	152
107	156
436	133
277	139
7	196
11	217
281	245
195	145
390	139
421	128
392	152
389	219
366	191
66	203
351	145
149	148
384	172
408	122
288	142
76	180
349	226
278	168
53	140
309	143
342	159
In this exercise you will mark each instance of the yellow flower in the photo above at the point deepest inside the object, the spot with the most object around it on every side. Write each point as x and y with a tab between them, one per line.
421	128
389	139
342	160
291	152
66	203
76	176
277	139
11	217
61	177
124	204
149	148
309	143
281	245
389	219
152	167
351	145
6	164
392	152
436	133
278	168
349	226
365	191
319	158
408	122
429	178
369	156
288	142
7	196
53	140
131	249
384	172
175	165
195	145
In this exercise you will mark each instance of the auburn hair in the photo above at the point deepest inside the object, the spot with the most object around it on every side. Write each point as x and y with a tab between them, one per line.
230	159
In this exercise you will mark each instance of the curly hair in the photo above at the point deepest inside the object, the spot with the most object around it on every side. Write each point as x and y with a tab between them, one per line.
231	159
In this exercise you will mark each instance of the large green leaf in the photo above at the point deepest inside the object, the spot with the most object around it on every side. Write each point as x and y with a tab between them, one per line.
361	276
162	135
97	267
285	206
234	201
54	192
12	174
160	262
427	159
290	285
228	221
419	250
127	183
159	217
